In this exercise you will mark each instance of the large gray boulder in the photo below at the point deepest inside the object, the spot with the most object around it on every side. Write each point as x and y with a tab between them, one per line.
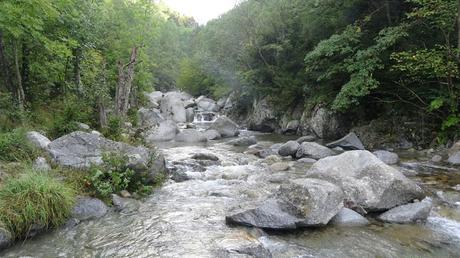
206	104
348	142
243	141
212	134
88	208
37	139
150	117
291	127
81	150
166	131
225	126
173	107
289	148
154	99
348	217
190	113
366	180
326	124
191	135
300	203
313	150
387	157
454	154
409	213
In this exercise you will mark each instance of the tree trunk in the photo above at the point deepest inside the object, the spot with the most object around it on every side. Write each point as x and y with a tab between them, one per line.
25	66
125	79
19	89
102	112
458	32
77	70
4	66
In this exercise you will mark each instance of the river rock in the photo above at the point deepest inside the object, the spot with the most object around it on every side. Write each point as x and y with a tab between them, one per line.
280	166
299	203
172	106
313	150
366	180
206	104
6	238
289	148
88	208
348	142
166	131
387	157
408	213
454	154
436	159
150	117
307	138
348	217
212	134
205	156
272	214
225	126
306	160
243	141
124	204
41	164
191	135
326	124
37	139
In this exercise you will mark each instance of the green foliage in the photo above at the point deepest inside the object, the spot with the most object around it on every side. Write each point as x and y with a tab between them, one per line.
14	147
113	129
34	199
67	114
114	176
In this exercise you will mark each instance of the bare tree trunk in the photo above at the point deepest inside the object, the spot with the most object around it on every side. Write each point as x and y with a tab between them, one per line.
4	66
25	66
77	70
125	79
19	89
102	112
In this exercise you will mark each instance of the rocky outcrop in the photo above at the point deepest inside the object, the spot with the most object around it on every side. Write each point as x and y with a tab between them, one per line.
291	127
366	180
166	131
262	117
6	238
191	135
37	139
454	154
313	150
206	104
324	123
212	134
409	213
289	149
300	203
225	126
387	157
88	208
348	142
81	150
154	99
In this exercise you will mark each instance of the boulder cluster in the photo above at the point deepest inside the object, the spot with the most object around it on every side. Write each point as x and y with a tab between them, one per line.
170	116
344	184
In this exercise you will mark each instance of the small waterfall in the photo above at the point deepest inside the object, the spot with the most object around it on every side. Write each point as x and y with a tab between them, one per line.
204	119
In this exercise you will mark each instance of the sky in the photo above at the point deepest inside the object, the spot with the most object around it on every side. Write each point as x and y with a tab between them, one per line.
202	10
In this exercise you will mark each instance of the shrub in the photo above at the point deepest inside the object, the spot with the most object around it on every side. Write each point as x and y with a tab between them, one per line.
113	176
15	147
113	129
34	199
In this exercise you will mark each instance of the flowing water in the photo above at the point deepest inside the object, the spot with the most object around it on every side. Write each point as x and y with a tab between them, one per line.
187	219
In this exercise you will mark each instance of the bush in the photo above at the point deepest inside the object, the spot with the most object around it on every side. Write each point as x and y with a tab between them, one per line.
67	114
113	129
113	176
34	199
15	147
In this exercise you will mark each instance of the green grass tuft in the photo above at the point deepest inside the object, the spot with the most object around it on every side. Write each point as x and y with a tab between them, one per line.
14	147
34	199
